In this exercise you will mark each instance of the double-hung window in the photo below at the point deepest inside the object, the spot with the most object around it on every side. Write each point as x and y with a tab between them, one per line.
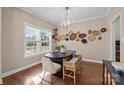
37	40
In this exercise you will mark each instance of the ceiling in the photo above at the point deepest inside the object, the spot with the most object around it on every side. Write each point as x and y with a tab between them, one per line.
53	14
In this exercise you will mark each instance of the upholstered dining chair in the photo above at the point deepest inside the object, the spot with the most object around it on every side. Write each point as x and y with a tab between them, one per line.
49	67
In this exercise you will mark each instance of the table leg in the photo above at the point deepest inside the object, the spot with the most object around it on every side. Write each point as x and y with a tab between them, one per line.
107	77
110	80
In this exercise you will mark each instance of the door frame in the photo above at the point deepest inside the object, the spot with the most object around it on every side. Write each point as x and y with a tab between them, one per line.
111	36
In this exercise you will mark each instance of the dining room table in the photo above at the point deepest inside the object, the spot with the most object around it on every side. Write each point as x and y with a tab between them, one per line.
58	56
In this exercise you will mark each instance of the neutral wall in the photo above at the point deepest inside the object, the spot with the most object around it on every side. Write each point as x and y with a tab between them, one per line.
96	50
117	29
112	14
13	38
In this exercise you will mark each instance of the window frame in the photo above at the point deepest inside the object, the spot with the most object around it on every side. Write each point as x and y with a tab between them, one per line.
41	28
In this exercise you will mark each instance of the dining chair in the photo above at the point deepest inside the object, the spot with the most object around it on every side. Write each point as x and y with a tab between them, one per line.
50	67
70	67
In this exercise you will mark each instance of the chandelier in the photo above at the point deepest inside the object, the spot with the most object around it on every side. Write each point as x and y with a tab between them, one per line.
66	21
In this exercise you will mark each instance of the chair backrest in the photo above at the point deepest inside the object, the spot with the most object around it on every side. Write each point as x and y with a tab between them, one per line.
48	65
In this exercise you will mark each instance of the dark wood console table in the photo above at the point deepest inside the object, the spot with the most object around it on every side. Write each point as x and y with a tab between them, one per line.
110	75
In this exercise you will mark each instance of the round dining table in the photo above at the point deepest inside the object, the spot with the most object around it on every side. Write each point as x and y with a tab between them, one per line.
57	57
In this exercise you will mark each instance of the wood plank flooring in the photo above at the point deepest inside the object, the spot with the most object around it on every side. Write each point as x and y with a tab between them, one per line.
87	74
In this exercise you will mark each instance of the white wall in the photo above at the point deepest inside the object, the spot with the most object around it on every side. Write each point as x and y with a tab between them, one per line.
112	14
13	20
96	50
117	28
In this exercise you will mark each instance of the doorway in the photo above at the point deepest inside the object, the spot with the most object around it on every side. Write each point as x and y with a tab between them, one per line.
115	39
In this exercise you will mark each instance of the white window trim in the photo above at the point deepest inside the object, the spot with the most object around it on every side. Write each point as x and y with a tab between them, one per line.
38	27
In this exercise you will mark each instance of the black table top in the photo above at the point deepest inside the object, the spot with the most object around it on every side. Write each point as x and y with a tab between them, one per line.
118	78
60	54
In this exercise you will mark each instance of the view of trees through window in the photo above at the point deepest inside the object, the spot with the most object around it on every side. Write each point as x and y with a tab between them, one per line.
37	40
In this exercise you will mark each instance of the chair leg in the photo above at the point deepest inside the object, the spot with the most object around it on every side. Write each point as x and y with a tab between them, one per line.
63	73
53	81
74	77
43	76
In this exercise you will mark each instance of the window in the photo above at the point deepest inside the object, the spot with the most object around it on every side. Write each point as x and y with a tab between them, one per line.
37	40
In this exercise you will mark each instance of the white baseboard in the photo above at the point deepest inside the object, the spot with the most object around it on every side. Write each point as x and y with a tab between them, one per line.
93	61
19	69
30	65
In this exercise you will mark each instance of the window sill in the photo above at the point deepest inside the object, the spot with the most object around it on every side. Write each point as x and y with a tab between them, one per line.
38	54
32	56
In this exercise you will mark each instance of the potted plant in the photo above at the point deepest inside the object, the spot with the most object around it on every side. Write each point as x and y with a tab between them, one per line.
63	48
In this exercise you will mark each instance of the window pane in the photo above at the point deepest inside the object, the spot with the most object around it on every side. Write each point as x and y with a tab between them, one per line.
37	41
30	34
45	36
37	48
45	46
29	48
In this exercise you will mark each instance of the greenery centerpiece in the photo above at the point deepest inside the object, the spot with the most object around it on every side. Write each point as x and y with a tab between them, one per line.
63	48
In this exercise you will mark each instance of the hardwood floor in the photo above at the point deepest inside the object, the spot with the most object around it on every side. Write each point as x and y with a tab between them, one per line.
87	74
